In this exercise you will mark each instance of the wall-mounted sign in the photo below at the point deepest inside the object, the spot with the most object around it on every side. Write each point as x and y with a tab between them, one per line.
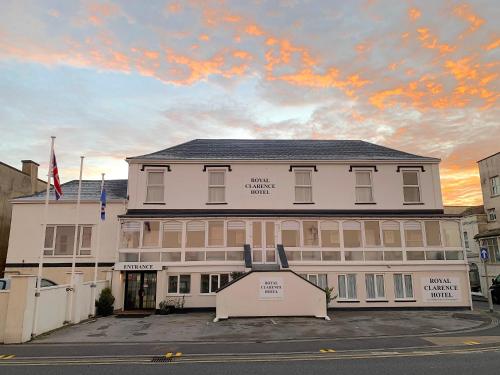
138	266
441	289
260	186
271	288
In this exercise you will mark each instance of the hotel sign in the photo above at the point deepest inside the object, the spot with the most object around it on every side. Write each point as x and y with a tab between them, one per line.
271	288
138	266
260	186
441	289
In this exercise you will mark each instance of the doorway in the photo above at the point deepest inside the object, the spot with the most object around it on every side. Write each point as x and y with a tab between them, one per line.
140	290
264	242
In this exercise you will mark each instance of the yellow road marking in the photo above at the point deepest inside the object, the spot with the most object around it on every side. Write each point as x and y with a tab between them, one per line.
327	350
7	356
470	342
169	355
178	354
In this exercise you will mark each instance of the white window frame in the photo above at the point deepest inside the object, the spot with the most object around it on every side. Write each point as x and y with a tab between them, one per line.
52	248
356	186
154	170
209	171
403	171
178	293
347	296
308	277
80	242
378	295
403	278
492	214
495	185
302	186
210	282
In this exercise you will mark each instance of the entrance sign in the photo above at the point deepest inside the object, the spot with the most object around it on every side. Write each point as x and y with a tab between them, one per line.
260	186
441	289
138	266
271	288
484	253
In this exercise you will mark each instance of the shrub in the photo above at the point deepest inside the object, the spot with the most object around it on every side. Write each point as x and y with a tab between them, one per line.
330	296
105	302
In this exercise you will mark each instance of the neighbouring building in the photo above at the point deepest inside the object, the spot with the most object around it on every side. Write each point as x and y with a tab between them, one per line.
363	219
489	173
15	183
473	220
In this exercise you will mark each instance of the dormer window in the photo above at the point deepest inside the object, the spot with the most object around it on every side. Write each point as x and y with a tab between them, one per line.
216	186
155	190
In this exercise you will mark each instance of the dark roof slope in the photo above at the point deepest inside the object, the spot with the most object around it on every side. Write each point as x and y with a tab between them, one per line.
280	149
91	191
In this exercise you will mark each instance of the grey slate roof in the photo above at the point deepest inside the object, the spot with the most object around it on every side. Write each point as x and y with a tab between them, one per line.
91	191
280	149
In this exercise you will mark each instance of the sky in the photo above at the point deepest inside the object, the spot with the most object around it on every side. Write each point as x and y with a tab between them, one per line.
112	79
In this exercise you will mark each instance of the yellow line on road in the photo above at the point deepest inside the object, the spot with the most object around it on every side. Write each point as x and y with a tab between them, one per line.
7	356
471	342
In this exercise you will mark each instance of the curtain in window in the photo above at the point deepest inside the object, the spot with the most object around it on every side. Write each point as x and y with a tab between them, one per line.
391	234
303	191
342	287
65	237
236	233
290	233
352	233
413	234
172	234
380	285
370	286
322	280
372	233
155	188
215	233
398	286
351	286
408	286
195	234
330	234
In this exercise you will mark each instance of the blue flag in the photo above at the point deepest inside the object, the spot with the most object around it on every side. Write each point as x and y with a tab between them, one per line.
103	204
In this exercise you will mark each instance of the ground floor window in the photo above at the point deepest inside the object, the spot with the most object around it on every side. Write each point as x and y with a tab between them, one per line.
179	284
211	282
319	279
347	286
403	286
374	286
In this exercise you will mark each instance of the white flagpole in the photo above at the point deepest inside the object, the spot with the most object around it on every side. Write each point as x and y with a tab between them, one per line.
97	250
42	246
75	241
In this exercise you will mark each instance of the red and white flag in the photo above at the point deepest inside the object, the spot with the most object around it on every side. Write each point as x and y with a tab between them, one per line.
55	174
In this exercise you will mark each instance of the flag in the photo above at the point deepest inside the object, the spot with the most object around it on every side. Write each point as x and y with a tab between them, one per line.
55	173
103	204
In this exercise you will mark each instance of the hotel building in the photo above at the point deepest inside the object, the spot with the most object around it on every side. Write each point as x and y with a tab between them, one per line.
363	219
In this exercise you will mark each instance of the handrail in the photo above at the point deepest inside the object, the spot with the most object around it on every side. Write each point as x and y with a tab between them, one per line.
282	256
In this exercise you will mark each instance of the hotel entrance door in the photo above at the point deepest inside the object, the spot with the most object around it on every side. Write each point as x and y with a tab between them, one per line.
140	290
263	242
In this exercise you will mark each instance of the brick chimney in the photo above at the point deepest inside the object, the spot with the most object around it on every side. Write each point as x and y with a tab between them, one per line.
31	169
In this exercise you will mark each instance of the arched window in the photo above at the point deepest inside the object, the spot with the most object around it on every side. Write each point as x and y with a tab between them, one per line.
236	234
413	234
172	234
330	236
290	233
391	234
195	234
352	233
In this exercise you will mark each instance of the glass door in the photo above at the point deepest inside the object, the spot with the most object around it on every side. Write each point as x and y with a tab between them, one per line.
140	290
263	242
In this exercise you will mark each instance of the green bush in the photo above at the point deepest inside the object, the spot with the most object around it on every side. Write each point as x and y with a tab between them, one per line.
104	304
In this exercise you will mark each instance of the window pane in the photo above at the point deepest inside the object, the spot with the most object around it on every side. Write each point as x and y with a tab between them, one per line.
150	257
342	287
270	256
216	255
410	178
451	233
270	242
204	283
432	233
214	283
434	255
303	178
313	279
215	233
49	237
352	234
455	255
310	229
374	255
330	236
223	279
303	194
128	257
184	284
413	234
353	255
363	178
311	255
172	234
411	194
364	194
331	255
171	256
155	194
370	286
65	236
216	178
290	238
393	255
415	255
86	237
234	255
372	233
151	233
172	284
257	256
391	234
195	256
155	178
408	286
130	235
380	286
293	255
398	286
195	236
351	286
216	194
235	234
322	280
257	234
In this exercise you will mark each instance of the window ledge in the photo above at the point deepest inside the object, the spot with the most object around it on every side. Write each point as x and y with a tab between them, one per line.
361	203
303	203
178	295
348	301
376	300
405	300
413	203
214	203
154	203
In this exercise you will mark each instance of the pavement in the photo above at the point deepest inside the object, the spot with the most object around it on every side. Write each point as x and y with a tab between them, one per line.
359	342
